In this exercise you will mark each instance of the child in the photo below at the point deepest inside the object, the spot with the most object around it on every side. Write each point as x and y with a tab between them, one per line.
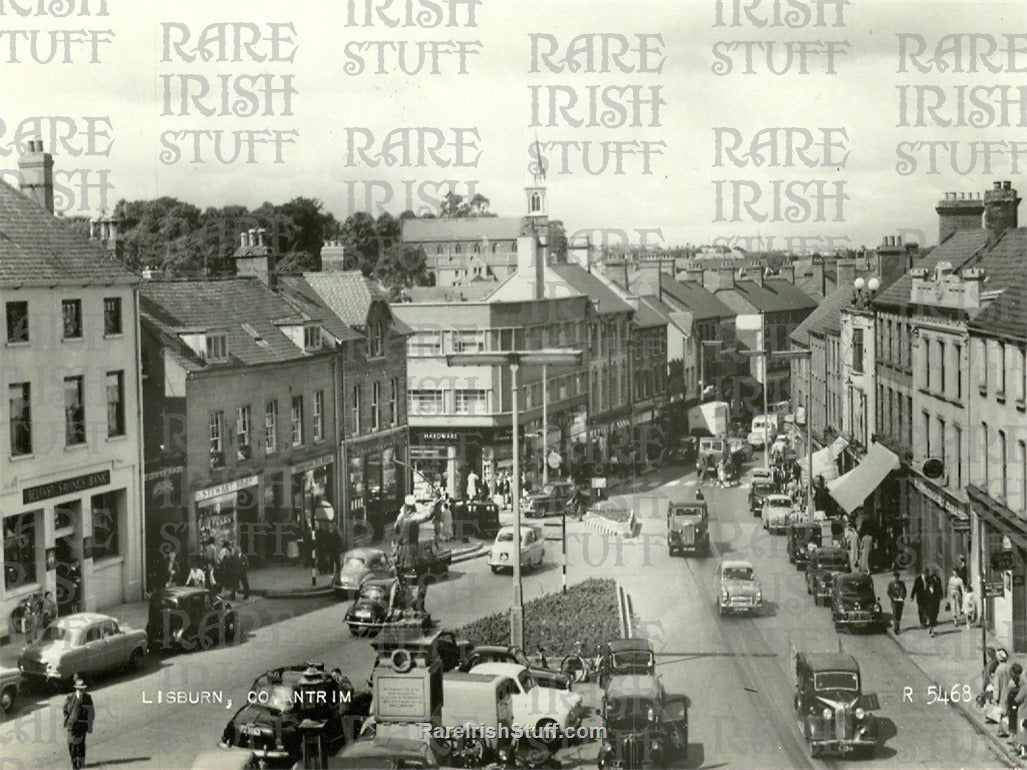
969	605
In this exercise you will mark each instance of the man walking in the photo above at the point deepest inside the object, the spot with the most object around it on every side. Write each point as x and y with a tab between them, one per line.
242	580
935	591
920	595
78	722
897	594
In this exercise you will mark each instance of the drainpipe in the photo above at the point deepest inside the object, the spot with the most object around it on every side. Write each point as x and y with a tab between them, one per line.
140	500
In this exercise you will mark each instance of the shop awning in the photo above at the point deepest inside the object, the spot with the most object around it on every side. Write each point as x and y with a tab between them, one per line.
825	461
851	489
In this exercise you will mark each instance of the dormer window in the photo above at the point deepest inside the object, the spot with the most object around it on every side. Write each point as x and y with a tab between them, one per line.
216	347
311	337
375	340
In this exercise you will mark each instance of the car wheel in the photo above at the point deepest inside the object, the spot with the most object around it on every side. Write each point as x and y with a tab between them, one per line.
552	726
7	701
135	660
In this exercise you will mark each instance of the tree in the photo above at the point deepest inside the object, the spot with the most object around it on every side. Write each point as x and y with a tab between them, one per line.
361	242
557	241
402	266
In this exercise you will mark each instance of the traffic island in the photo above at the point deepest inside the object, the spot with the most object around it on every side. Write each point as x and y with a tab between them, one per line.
609	520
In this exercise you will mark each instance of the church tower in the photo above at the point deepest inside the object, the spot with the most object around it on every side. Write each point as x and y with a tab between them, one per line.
537	219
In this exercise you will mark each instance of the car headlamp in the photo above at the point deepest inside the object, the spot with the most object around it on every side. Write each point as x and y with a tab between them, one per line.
826	713
860	713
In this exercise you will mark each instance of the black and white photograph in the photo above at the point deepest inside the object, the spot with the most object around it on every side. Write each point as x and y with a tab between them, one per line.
513	384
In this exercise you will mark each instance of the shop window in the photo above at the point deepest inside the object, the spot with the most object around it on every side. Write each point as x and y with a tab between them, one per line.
20	535
242	432
471	402
394	402
271	427
297	420
106	510
390	488
115	404
71	313
74	411
112	316
319	415
17	321
20	416
373	476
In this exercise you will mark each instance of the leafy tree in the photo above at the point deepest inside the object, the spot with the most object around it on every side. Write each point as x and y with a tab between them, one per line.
361	242
400	267
557	241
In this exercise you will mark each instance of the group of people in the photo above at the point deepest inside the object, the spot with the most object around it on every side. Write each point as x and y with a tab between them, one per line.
1004	698
929	594
217	570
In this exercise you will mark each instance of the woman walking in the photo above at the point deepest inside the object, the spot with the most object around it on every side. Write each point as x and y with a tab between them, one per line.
955	595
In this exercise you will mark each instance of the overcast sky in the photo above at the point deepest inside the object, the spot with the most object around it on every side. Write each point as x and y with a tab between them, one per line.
494	100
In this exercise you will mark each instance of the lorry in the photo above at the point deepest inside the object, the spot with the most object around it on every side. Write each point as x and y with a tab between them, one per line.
688	529
765	428
712	418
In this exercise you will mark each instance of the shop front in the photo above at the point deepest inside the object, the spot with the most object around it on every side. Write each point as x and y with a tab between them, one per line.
943	526
167	524
312	485
446	457
220	508
375	480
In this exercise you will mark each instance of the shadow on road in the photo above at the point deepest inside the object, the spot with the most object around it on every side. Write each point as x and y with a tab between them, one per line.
886	730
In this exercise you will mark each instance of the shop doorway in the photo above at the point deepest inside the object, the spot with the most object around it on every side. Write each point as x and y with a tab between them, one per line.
68	557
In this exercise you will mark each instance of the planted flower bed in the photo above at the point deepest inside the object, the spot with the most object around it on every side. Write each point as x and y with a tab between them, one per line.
612	514
587	612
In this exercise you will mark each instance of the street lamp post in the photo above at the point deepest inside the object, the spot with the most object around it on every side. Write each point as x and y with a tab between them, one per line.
807	355
514	359
545	425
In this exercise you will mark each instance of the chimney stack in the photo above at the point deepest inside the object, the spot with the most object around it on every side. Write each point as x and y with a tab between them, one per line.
787	272
333	257
721	278
35	168
893	258
846	273
959	211
1000	209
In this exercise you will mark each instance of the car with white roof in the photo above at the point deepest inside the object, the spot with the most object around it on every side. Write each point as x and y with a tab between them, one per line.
535	706
777	513
501	555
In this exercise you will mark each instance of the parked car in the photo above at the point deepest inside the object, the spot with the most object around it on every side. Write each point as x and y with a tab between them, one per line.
370	612
854	603
475	518
762	474
738	588
10	684
280	700
832	711
553	499
644	726
624	657
688	528
357	565
544	677
501	555
823	564
85	643
777	509
757	492
803	538
534	705
184	618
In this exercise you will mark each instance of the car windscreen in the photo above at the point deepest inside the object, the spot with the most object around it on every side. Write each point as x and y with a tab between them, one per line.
779	502
354	562
856	588
628	713
763	487
373	593
836	680
504	537
632	659
738	573
687	512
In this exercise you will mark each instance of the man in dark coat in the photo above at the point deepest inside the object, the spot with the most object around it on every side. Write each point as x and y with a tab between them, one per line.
935	591
78	722
920	595
897	595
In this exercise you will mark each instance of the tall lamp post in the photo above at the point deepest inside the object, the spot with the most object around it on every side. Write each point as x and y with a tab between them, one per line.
514	359
806	355
762	355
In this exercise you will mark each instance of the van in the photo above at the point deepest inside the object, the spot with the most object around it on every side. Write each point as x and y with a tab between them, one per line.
479	700
764	429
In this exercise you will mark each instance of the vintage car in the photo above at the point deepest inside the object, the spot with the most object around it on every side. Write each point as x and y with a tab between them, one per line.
534	705
10	684
820	569
644	726
623	657
387	753
757	492
738	588
831	709
804	537
762	474
85	643
688	528
357	565
777	510
185	618
553	499
544	677
501	555
370	612
475	518
227	759
280	700
854	603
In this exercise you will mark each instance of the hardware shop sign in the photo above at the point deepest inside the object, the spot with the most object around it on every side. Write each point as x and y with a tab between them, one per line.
65	487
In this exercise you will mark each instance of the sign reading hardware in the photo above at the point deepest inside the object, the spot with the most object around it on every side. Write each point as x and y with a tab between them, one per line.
65	487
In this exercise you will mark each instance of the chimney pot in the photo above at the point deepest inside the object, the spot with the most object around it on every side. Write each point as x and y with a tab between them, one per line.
1007	185
996	185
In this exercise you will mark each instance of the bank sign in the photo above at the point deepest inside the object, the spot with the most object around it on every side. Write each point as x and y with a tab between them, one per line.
65	487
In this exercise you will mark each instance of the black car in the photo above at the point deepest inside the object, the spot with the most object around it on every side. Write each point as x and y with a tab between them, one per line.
370	612
555	498
623	657
854	603
280	700
757	493
644	726
186	618
544	677
801	537
823	564
475	518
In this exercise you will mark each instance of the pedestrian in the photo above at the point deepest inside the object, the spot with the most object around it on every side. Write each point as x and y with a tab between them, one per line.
897	594
969	605
242	580
955	595
1012	699
866	545
78	722
935	591
226	569
472	484
722	474
197	577
446	516
1017	727
964	573
171	568
920	596
852	543
48	611
998	684
315	543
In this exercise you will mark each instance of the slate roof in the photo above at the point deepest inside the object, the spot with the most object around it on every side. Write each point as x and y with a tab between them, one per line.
1005	264
581	280
957	249
646	316
197	305
473	292
39	249
703	304
302	296
349	294
775	295
462	229
826	319
1006	317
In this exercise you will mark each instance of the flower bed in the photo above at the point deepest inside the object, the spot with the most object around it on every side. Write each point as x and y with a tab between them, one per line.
613	515
587	612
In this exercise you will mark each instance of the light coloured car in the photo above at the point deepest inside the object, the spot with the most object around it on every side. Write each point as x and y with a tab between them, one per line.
535	706
777	512
10	683
738	588
85	643
501	556
357	565
762	474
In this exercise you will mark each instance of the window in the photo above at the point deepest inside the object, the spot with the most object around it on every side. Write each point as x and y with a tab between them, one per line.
468	341
1021	384
71	312
19	406
376	340
926	346
958	369
857	351
426	402
900	422
115	404
942	382
394	402
311	337
356	408
216	347
425	344
376	405
17	321
1002	468
1021	451
106	513
319	415
111	316
471	402
271	427
957	445
74	411
216	428
939	447
986	476
242	432
982	367
1001	371
297	420
19	550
